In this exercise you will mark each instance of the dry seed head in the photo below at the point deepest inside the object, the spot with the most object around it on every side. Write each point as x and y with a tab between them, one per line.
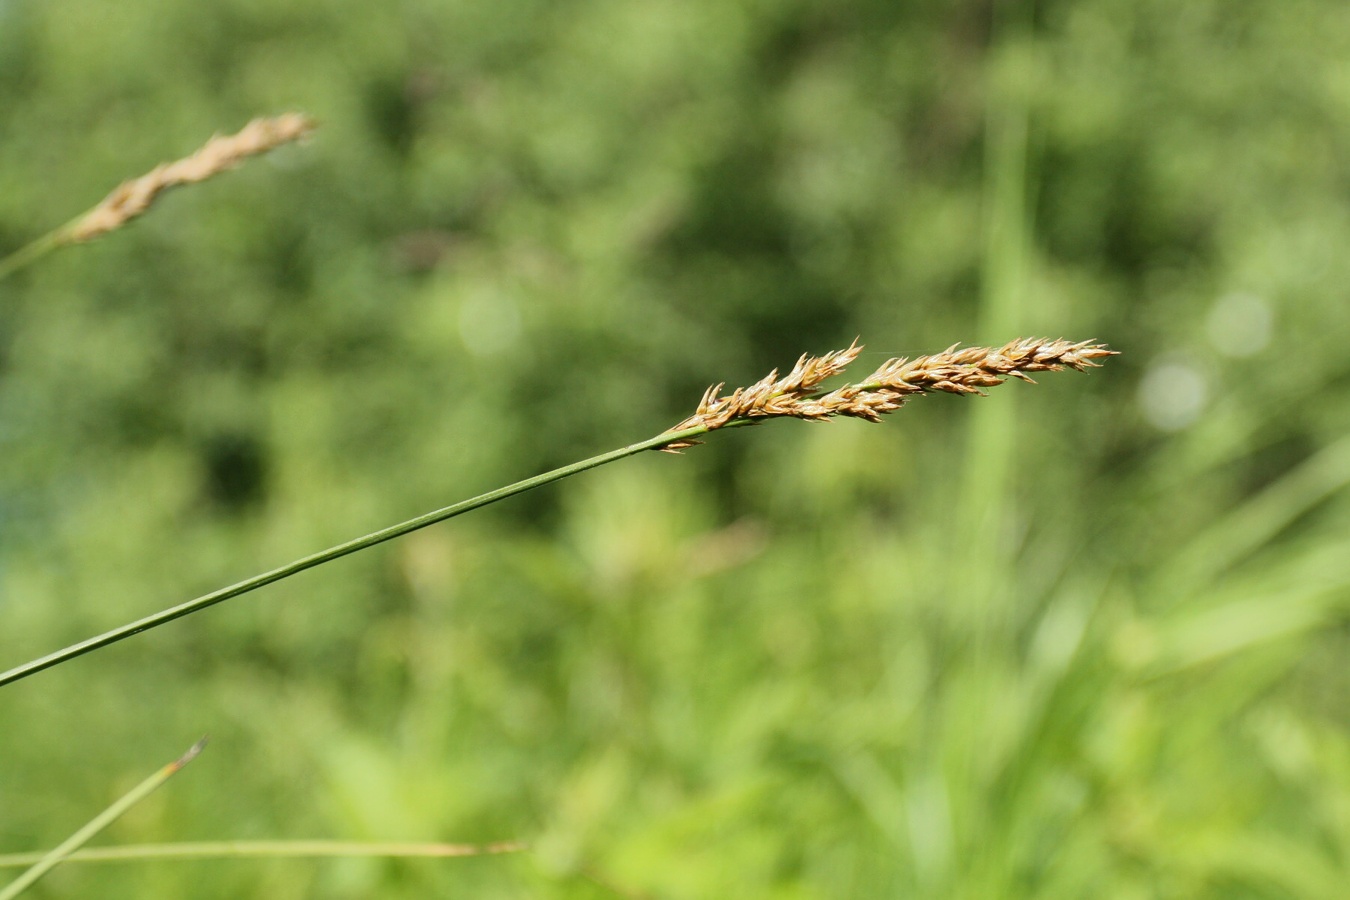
770	396
974	368
953	371
219	154
811	371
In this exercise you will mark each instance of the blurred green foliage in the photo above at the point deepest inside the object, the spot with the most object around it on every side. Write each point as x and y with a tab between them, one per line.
1083	639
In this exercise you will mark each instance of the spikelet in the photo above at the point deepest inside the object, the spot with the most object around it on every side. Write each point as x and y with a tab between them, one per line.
132	198
768	397
954	371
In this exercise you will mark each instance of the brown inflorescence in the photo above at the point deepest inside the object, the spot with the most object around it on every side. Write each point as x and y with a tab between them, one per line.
132	198
953	371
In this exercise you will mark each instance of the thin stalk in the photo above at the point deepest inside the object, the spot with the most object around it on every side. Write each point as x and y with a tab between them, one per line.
269	849
34	250
55	857
370	540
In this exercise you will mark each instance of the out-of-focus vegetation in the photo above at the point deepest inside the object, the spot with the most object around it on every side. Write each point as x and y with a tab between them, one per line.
1087	639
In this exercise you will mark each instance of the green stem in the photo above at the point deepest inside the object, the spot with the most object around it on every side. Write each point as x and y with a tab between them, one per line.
55	857
33	251
271	849
370	540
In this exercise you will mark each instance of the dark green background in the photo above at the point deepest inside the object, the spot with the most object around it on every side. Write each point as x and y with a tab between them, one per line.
1084	639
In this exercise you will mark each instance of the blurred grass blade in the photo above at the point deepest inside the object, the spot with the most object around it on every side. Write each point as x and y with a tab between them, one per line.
55	857
1205	637
270	849
1257	521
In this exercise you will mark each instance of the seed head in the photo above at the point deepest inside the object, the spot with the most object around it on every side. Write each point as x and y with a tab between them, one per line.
132	198
954	371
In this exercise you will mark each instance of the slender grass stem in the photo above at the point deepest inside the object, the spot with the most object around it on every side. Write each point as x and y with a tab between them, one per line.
34	250
270	849
48	861
370	540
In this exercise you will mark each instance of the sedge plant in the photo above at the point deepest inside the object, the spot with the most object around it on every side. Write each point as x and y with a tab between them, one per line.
801	394
797	395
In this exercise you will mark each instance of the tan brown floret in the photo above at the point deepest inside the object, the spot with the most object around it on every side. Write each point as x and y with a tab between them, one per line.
953	371
132	198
